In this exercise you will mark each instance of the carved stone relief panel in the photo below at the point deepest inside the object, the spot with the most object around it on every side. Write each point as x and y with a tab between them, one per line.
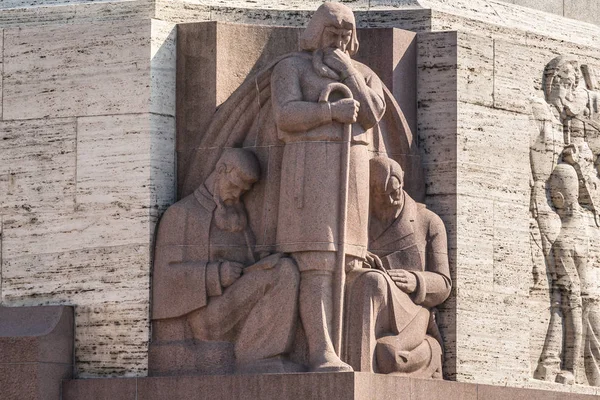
297	245
565	201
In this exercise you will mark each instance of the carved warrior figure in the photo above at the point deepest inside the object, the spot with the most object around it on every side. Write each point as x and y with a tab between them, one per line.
563	197
314	118
207	285
409	276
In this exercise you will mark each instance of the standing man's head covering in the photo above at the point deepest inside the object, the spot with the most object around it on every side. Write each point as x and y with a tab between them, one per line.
329	14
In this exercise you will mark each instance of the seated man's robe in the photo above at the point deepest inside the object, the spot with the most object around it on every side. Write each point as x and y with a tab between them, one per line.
257	313
387	330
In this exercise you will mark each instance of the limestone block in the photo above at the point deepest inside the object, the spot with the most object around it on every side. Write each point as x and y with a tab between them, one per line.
45	13
496	138
1	68
37	165
178	11
163	67
474	243
515	85
113	336
36	3
505	20
551	6
76	70
291	17
584	10
475	64
437	113
491	337
436	67
96	255
110	287
512	260
125	162
415	20
456	65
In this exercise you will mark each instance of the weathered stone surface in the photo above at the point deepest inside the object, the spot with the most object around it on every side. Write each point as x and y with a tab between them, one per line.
551	6
20	13
347	386
1	68
125	162
36	351
163	66
76	70
37	166
100	389
93	252
584	10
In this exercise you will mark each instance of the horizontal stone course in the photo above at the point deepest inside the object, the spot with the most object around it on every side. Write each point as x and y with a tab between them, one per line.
76	70
342	386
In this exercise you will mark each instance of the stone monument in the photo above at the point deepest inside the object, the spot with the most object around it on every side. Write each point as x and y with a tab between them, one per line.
359	198
325	111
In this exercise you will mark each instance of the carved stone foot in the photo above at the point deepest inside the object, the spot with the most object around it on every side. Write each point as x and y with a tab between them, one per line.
565	377
330	363
547	370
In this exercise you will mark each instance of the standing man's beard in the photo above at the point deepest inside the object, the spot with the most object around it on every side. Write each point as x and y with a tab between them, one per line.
230	218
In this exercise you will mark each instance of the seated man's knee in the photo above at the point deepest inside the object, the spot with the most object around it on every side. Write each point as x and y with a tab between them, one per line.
287	270
374	284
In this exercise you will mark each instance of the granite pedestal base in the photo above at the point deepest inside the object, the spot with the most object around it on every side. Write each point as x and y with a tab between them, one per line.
36	351
338	386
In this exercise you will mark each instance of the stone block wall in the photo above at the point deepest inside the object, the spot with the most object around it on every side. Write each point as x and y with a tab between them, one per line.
87	166
501	312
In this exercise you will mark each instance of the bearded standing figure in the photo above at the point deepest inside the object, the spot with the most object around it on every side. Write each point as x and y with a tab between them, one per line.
309	205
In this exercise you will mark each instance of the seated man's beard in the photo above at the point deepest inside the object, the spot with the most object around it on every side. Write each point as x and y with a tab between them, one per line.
230	218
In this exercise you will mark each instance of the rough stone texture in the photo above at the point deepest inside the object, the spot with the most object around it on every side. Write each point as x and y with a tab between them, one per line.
342	386
87	155
163	68
36	351
76	70
73	12
94	251
1	67
584	10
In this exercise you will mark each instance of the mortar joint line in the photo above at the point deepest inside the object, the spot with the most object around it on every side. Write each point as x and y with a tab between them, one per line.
2	79
494	73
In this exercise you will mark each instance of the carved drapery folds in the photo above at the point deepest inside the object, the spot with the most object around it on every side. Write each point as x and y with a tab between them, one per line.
298	245
565	206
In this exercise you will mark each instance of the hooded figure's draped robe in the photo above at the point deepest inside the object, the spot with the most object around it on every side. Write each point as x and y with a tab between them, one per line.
381	317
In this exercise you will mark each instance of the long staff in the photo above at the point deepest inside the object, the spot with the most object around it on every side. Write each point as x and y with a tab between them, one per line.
339	276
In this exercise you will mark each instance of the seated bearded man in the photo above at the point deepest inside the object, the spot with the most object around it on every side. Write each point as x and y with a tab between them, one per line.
208	289
390	327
